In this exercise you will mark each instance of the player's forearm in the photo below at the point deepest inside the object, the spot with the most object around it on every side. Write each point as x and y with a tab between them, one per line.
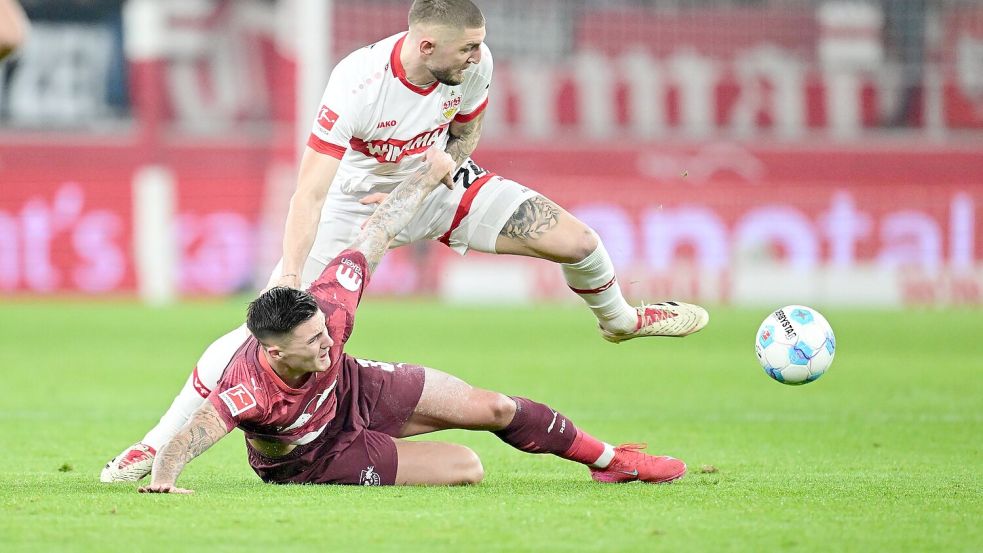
299	233
201	432
171	459
317	171
460	146
393	215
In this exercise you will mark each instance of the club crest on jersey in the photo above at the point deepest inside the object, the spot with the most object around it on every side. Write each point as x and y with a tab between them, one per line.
349	275
238	399
450	107
393	150
370	477
326	118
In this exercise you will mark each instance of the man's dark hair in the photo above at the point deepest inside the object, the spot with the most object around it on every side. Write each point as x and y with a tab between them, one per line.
462	14
278	311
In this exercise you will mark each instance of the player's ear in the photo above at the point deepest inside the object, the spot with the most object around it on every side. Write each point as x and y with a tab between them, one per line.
427	46
274	351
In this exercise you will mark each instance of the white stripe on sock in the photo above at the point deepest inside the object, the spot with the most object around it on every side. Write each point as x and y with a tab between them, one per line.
605	459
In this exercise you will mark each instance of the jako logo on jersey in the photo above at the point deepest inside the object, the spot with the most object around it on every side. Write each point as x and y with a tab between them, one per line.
349	275
393	150
326	118
386	124
238	399
370	477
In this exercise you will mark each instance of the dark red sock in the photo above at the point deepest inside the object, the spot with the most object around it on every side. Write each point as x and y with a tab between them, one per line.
538	429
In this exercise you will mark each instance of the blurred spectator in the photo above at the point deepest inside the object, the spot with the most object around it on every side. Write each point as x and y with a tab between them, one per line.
13	26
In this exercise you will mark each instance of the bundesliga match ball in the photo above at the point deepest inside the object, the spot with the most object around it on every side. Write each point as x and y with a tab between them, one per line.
795	345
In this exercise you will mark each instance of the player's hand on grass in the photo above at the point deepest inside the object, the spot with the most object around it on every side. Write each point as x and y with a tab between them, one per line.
163	488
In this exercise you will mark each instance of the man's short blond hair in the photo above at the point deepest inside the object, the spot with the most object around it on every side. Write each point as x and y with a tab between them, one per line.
461	14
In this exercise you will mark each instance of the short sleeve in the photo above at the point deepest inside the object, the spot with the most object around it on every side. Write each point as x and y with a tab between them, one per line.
343	280
236	398
335	122
339	289
476	89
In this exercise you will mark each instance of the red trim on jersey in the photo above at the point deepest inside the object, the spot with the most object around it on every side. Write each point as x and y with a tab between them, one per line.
326	147
468	117
199	387
464	207
400	72
595	290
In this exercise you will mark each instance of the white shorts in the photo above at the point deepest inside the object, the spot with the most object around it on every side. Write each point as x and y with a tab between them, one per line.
470	216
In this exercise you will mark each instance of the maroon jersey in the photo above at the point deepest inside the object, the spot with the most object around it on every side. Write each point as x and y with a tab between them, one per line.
251	396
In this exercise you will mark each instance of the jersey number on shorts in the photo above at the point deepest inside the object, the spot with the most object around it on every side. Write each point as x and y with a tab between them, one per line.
468	173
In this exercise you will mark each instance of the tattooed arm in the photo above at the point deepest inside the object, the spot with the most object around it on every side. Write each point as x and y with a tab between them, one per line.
204	429
400	206
464	139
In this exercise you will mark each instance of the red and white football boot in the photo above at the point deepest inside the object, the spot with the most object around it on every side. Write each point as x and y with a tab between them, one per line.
670	318
133	464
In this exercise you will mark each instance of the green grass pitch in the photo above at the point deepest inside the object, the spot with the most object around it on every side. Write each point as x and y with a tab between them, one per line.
881	454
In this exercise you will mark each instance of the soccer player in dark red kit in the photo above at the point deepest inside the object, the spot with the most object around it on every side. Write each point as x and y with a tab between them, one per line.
315	415
383	106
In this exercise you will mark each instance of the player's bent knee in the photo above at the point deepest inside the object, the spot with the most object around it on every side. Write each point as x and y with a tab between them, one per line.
502	409
584	244
577	242
469	469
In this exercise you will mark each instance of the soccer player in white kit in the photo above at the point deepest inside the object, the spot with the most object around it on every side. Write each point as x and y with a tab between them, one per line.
384	106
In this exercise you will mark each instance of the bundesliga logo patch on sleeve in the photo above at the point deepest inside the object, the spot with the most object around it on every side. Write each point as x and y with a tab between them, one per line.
238	399
327	118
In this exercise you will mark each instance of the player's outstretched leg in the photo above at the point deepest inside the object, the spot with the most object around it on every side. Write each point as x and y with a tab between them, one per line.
540	228
536	428
449	402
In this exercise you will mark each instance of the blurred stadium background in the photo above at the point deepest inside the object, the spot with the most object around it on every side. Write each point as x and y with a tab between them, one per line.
745	152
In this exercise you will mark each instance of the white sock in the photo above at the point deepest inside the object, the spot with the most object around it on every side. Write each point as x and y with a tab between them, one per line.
209	370
186	403
592	278
604	460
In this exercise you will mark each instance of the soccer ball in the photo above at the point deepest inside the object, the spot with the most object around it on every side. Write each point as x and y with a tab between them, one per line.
795	345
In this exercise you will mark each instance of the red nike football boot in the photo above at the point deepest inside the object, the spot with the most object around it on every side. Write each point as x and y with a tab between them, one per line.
630	464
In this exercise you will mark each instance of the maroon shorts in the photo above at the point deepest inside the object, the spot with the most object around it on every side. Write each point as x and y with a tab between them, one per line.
357	447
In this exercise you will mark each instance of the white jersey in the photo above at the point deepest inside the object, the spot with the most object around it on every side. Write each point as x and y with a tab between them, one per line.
379	124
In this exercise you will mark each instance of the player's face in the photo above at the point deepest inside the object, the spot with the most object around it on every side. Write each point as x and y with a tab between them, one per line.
454	51
308	345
